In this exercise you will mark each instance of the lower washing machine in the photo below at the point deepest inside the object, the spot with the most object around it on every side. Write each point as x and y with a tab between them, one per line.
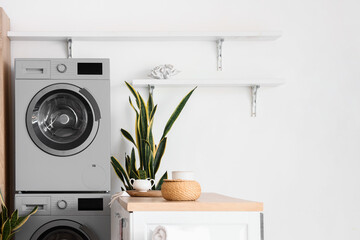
64	216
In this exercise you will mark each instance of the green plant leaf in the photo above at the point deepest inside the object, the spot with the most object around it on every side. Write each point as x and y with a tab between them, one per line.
142	174
146	142
150	136
142	125
149	160
176	113
10	236
134	174
118	166
14	218
6	229
118	173
151	166
4	214
128	136
159	154
138	142
150	105
151	142
133	160
22	220
143	118
152	114
127	164
137	123
165	176
132	105
133	170
132	90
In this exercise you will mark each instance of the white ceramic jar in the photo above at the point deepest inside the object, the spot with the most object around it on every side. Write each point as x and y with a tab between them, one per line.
183	175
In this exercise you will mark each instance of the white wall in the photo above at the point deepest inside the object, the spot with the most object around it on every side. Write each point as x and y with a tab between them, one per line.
300	156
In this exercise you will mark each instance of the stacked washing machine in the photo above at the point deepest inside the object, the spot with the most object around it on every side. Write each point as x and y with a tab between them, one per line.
62	148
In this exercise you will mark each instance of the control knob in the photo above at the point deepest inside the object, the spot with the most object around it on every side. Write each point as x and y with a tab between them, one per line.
61	68
62	204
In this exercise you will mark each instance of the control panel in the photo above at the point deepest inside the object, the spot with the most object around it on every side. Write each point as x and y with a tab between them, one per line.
67	68
64	204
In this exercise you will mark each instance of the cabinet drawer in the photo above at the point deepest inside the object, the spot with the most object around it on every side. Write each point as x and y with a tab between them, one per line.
197	225
32	70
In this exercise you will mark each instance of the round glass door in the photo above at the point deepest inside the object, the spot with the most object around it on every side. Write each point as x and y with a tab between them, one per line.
63	119
62	233
63	230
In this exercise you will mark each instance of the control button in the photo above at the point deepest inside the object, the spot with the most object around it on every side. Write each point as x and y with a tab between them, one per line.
62	204
61	68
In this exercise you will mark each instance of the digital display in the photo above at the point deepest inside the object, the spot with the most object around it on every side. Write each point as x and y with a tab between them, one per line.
89	68
90	204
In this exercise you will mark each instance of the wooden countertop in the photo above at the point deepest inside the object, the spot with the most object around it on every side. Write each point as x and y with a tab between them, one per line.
206	202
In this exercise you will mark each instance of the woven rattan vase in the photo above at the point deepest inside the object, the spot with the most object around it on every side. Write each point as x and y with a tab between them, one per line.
180	190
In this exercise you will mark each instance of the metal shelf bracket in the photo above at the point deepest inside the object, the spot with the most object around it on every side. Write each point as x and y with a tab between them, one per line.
69	48
254	90
219	44
151	89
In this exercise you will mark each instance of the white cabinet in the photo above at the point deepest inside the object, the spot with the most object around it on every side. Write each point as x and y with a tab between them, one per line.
189	225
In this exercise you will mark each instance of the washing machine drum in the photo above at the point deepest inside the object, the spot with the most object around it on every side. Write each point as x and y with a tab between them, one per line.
63	119
63	230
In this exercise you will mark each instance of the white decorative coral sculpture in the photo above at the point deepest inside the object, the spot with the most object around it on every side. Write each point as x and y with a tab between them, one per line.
163	71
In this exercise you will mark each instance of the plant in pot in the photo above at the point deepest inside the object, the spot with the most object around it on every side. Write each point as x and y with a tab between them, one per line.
11	224
149	153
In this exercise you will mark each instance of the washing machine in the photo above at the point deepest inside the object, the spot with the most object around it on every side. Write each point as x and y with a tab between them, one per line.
62	125
64	216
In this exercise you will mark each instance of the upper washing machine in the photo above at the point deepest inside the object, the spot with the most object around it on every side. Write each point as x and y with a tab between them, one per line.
62	125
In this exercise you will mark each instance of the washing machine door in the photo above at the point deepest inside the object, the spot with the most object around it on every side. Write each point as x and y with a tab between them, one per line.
63	230
63	119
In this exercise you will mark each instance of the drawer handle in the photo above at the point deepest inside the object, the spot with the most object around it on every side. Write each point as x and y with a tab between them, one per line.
159	233
35	70
31	206
122	226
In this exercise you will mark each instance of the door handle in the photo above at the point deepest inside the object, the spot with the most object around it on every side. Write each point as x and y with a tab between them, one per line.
262	226
122	225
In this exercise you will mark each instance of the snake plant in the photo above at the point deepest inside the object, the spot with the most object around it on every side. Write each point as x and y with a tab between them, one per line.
9	225
149	153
